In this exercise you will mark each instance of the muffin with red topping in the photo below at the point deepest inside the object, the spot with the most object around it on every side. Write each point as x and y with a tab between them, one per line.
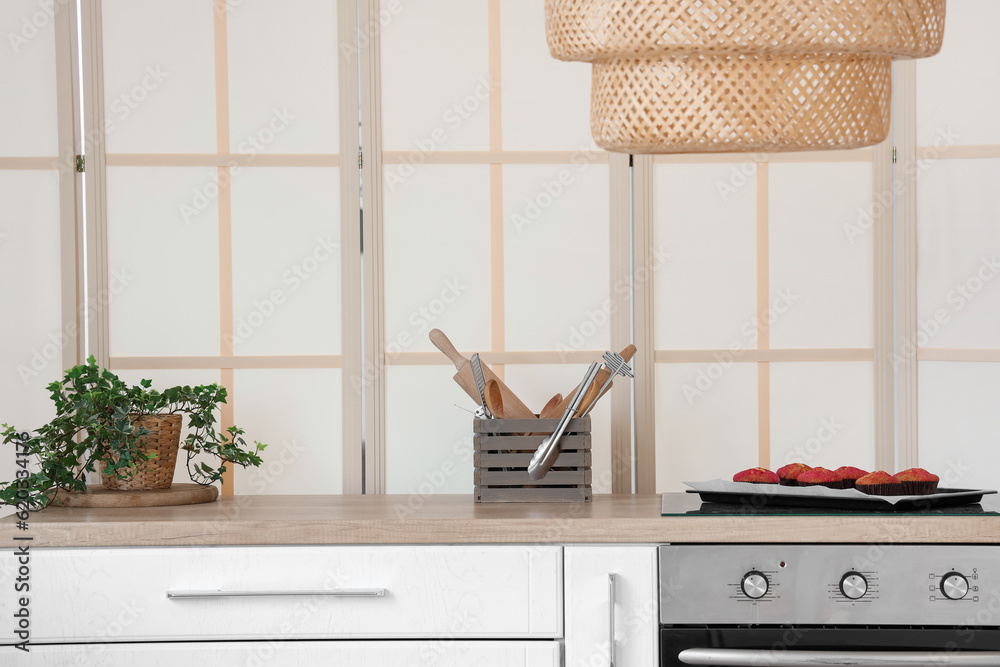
756	476
787	475
821	477
917	481
879	483
850	475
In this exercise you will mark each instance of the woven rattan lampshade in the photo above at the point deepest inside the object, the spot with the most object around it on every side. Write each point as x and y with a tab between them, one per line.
675	76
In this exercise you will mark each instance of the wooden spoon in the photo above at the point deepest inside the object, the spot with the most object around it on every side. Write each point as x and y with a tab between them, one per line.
549	411
550	407
494	399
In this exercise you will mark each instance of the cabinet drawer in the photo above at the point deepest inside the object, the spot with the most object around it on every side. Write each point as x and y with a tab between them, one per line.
300	654
137	593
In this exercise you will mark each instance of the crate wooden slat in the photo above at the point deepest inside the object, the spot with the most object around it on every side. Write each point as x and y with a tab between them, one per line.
576	477
502	453
518	426
521	460
552	494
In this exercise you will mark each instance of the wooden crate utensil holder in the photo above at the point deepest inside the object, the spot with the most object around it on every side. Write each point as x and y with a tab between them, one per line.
503	451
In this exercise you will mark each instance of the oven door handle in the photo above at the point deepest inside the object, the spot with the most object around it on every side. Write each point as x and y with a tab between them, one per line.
722	657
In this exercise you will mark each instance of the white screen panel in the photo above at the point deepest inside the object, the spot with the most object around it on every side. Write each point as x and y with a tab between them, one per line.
283	76
297	413
286	261
706	422
820	268
546	102
535	384
437	256
823	414
164	271
958	101
32	335
428	439
705	283
165	378
556	257
435	76
960	423
159	76
28	72
958	246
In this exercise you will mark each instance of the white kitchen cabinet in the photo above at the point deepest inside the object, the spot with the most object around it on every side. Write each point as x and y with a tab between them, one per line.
302	592
608	622
440	653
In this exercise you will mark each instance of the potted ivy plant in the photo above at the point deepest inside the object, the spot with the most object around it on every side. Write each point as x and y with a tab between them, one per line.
125	431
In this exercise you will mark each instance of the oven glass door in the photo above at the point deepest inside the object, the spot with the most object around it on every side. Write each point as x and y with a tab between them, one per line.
843	646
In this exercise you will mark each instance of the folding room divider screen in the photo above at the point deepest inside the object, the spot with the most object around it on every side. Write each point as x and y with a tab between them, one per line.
221	190
40	323
232	147
763	319
953	153
503	225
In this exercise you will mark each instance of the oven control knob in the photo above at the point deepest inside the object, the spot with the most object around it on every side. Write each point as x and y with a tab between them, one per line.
853	585
954	586
754	584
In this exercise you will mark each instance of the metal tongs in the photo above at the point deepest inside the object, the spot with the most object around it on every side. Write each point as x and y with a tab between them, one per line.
547	452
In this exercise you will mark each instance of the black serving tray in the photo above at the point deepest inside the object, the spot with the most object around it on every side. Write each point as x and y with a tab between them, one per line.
760	500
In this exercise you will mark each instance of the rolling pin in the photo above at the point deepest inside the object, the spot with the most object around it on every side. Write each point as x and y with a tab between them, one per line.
591	394
513	408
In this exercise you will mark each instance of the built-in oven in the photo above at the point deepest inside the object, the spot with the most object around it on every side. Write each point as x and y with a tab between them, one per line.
829	605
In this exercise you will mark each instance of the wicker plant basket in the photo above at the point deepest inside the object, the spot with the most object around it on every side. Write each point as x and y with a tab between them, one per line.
673	76
157	473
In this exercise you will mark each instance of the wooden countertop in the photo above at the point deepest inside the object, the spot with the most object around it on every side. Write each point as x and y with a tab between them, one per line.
448	519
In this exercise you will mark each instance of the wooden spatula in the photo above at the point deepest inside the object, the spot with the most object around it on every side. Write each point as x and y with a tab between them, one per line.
494	399
513	408
588	399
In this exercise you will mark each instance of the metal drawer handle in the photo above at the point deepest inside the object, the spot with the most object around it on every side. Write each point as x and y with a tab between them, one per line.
339	592
746	658
611	618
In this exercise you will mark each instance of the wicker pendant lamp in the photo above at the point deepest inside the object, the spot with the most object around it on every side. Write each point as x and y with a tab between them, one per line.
684	76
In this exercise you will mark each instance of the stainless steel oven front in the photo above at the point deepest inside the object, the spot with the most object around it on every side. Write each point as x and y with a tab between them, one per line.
878	605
